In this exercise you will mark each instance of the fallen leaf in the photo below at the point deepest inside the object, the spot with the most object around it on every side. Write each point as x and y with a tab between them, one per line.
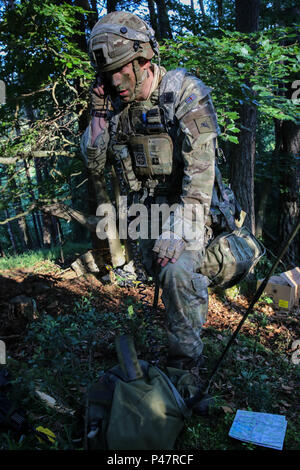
227	409
50	401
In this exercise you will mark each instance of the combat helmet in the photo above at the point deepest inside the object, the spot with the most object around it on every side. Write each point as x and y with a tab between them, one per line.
119	38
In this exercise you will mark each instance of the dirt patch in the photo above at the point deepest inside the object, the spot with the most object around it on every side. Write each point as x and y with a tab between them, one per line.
55	292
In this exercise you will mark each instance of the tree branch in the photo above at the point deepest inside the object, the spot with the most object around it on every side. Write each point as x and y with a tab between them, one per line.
36	154
9	219
67	213
63	211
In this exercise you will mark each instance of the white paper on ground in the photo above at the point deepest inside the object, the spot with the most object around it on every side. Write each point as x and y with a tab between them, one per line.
263	429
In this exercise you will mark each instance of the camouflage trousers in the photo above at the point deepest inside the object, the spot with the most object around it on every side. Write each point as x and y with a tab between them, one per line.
185	296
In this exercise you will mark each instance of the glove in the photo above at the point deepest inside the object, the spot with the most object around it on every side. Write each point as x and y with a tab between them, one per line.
168	248
98	98
100	105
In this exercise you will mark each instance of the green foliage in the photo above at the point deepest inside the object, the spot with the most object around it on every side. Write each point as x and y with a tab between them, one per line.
63	362
241	69
45	66
47	75
43	50
61	343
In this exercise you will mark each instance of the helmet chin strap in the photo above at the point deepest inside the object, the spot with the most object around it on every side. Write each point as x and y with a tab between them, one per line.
140	76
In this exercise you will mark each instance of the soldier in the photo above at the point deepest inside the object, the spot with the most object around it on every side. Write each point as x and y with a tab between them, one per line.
161	126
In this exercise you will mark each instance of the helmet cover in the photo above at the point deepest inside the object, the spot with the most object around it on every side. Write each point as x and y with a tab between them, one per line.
118	38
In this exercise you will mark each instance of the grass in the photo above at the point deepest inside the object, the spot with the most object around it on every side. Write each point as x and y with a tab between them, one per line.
31	258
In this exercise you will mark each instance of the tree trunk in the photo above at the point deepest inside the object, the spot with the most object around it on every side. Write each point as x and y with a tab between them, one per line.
38	218
93	17
201	4
2	253
153	18
99	196
220	11
287	152
80	40
21	224
78	232
60	241
164	28
34	214
111	5
243	158
247	15
261	211
45	221
25	238
242	164
11	233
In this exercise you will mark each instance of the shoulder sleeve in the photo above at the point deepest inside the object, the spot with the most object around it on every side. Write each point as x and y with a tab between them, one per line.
195	112
198	123
94	157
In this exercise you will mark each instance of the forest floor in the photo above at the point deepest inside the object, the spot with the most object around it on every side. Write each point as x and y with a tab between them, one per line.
59	335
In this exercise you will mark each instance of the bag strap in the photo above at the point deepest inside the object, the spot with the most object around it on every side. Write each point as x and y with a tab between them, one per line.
131	366
224	202
128	358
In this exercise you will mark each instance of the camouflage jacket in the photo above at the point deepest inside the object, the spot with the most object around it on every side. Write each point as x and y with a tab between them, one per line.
192	127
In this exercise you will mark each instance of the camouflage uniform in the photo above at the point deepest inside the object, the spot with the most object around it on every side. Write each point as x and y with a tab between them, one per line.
189	180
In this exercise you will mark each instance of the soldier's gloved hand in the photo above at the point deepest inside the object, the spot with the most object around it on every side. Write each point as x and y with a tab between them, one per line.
99	103
168	247
98	98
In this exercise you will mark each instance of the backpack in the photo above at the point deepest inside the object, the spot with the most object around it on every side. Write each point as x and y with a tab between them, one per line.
135	405
234	251
230	257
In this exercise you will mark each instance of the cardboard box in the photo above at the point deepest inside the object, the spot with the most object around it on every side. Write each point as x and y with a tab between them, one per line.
284	289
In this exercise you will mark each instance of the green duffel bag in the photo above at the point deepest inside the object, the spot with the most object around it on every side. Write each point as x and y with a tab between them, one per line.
230	257
135	405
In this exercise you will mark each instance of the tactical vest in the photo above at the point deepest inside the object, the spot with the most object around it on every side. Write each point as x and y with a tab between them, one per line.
143	137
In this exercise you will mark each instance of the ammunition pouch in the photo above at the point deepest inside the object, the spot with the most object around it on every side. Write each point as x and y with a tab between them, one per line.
152	154
122	154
